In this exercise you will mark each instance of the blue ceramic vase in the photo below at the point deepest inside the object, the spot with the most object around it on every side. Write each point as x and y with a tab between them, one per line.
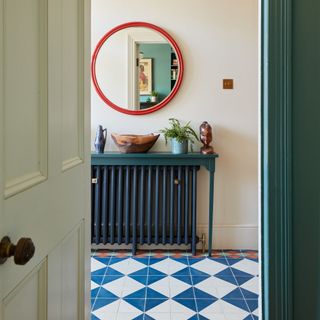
179	147
100	140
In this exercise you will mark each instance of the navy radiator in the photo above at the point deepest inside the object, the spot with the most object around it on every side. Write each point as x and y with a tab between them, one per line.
141	204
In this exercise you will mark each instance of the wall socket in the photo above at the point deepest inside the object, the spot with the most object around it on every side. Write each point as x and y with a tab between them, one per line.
227	83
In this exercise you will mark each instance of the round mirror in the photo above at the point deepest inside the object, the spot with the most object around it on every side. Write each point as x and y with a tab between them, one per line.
137	68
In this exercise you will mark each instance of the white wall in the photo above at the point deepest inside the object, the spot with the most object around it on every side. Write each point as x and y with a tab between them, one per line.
218	39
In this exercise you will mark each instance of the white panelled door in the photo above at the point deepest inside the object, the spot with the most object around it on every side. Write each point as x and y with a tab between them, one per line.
44	158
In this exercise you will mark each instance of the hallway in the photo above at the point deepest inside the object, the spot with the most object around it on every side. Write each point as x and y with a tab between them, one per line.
174	285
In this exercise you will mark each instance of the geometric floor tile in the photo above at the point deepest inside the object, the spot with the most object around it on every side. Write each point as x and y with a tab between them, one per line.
175	286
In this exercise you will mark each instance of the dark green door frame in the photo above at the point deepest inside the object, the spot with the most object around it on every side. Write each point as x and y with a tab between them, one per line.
276	158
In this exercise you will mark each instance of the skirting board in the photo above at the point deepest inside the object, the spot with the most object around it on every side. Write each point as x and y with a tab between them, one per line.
224	237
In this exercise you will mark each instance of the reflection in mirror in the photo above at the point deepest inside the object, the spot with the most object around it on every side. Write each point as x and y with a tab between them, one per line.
136	68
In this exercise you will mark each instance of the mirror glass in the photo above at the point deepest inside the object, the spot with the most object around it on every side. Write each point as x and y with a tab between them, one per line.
136	68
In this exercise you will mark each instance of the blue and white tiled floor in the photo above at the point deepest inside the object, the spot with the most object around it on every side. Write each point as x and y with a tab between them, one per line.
166	287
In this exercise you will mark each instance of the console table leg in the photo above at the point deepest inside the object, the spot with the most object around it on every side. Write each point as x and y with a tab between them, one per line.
211	194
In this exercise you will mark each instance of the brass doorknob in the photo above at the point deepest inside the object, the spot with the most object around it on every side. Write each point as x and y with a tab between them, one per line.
22	252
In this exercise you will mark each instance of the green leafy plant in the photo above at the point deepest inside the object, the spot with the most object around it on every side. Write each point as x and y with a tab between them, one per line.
179	132
154	93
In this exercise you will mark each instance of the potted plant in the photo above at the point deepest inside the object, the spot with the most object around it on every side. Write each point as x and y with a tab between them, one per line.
179	135
154	96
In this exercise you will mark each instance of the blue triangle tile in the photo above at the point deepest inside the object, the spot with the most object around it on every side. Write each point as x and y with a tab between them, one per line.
248	294
189	303
248	317
230	279
152	294
155	260
139	294
195	260
153	279
151	303
183	260
235	294
253	304
204	303
154	272
183	272
99	303
252	259
186	279
100	272
242	280
220	260
199	294
114	260
105	260
224	273
239	273
238	303
140	317
198	279
187	294
232	261
97	279
138	303
93	317
108	279
255	317
94	292
141	272
195	317
142	260
142	279
143	317
195	272
105	294
113	272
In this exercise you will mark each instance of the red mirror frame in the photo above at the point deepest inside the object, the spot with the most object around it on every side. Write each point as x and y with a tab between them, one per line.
173	91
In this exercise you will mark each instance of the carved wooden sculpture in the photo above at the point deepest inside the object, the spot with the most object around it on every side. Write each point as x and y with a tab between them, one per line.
206	138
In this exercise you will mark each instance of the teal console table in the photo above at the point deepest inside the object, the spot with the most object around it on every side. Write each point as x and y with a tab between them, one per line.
124	185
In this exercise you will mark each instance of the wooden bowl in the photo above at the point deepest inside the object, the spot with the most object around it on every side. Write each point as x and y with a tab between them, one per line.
134	143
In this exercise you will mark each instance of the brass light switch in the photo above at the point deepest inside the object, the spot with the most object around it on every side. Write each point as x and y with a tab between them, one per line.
227	83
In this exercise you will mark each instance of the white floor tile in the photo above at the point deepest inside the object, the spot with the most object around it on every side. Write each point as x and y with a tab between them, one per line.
247	266
177	286
94	285
128	266
162	286
216	287
115	286
176	307
209	266
126	307
182	316
252	285
159	316
162	266
175	266
96	265
103	312
127	315
164	307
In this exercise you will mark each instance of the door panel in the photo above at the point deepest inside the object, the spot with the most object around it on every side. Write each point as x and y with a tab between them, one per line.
30	295
72	70
24	94
44	114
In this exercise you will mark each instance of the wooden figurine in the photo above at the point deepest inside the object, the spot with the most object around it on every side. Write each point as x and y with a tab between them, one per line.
206	138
